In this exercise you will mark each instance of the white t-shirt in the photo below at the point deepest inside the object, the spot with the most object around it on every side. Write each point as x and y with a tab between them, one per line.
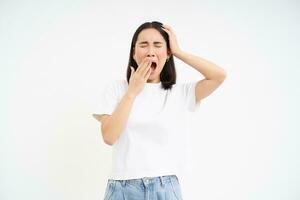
154	140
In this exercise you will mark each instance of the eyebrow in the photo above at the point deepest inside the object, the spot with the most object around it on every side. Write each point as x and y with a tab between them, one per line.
145	42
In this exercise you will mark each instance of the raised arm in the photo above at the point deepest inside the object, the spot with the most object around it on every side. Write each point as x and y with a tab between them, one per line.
214	75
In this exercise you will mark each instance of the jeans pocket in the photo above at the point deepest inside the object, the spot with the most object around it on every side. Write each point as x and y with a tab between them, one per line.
110	187
176	188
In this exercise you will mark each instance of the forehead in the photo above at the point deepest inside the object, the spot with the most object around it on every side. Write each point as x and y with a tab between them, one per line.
150	35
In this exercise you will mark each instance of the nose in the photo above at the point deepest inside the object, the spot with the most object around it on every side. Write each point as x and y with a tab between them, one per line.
150	52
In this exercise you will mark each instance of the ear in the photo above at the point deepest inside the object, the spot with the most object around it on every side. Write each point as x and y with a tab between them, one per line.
169	53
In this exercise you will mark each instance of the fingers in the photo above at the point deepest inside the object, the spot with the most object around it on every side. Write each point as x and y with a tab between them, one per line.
143	69
132	71
146	68
167	28
148	74
142	64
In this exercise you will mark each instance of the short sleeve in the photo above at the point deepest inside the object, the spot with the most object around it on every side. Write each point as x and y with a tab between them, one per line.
108	99
189	94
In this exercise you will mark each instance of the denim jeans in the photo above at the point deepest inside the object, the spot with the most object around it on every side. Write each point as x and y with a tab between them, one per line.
147	188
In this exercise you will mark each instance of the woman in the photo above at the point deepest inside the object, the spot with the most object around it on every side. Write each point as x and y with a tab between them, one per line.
144	117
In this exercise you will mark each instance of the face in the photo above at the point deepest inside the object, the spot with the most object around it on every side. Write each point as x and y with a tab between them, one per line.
150	43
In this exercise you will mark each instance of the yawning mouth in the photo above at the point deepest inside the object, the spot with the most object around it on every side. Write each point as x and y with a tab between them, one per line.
153	65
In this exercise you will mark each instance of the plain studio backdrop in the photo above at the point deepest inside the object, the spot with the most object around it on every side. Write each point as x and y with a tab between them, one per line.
56	57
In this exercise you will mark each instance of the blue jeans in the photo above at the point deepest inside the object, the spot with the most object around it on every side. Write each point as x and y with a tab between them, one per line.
147	188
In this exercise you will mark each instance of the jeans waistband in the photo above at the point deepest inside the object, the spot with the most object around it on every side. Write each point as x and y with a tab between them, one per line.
148	180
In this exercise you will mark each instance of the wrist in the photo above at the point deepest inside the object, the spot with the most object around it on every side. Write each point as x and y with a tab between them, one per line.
130	95
178	53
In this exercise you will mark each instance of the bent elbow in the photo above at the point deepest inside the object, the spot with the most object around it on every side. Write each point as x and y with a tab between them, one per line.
222	77
108	142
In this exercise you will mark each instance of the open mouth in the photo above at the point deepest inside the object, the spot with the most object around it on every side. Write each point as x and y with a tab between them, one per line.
153	66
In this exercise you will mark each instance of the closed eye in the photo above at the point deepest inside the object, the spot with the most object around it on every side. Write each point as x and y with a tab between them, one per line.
146	46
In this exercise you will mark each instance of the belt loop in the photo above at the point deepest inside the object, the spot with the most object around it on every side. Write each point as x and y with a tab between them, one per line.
161	180
123	183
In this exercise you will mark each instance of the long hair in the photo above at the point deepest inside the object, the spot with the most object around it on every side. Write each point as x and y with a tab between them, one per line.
168	73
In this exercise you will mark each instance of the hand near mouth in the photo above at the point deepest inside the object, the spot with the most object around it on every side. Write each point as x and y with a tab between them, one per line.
139	77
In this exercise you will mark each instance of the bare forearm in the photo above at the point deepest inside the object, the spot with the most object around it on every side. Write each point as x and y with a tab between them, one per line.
113	127
208	69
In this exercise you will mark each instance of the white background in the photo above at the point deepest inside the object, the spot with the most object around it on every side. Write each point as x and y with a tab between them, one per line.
57	55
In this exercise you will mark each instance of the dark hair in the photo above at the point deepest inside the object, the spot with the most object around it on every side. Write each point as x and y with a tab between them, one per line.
168	73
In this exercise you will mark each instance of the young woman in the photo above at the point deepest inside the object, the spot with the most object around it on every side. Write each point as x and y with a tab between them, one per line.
144	117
